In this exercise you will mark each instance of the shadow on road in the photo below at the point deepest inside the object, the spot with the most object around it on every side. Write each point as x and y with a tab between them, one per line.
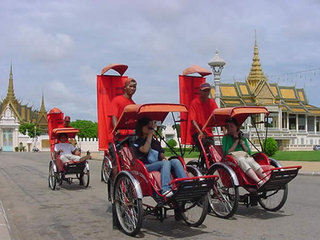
259	213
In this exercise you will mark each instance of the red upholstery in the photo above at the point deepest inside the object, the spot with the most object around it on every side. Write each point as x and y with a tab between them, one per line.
127	157
216	153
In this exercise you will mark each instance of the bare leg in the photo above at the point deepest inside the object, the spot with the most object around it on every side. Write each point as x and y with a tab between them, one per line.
253	175
261	174
85	158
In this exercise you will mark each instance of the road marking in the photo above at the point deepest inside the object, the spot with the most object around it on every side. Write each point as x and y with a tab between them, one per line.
3	213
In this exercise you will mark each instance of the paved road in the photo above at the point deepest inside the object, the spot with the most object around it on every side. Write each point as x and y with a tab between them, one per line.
72	212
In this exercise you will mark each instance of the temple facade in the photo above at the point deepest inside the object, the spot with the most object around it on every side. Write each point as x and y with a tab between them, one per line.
13	113
293	122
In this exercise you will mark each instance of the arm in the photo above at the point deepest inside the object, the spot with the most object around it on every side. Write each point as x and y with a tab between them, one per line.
234	145
195	124
114	121
245	146
147	145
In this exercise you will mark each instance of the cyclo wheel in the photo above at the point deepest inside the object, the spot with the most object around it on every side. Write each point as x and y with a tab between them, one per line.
194	211
52	180
128	206
274	200
106	169
85	177
224	196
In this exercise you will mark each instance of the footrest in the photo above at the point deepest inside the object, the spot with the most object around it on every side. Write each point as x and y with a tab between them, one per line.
192	188
279	177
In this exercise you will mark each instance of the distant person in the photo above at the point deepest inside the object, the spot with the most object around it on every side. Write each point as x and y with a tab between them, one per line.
67	151
66	122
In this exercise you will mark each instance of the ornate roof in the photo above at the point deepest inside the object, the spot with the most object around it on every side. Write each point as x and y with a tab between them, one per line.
23	112
256	91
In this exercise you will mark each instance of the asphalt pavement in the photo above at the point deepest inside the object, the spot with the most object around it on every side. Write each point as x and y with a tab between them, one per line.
308	168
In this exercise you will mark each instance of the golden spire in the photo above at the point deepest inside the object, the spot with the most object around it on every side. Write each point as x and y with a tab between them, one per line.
42	108
10	93
256	73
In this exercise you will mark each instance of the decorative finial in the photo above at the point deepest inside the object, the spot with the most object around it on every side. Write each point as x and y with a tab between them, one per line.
255	37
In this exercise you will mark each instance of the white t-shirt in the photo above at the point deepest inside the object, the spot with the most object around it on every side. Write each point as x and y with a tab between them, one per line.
67	148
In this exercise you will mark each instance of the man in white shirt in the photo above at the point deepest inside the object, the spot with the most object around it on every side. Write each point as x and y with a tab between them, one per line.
67	151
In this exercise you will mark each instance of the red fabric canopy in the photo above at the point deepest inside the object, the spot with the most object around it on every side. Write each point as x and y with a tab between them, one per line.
219	116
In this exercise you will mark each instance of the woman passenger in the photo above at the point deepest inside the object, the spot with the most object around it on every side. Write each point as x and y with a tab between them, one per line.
150	152
235	144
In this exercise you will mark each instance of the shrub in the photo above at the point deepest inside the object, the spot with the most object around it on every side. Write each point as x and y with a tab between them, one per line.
270	146
172	143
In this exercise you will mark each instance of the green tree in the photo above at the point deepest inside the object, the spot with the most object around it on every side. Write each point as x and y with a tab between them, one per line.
172	143
88	129
270	146
31	128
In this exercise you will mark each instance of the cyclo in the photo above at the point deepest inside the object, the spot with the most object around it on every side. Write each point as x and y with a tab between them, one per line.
225	196
58	171
133	182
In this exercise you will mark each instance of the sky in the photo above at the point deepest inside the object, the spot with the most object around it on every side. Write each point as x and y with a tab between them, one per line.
58	47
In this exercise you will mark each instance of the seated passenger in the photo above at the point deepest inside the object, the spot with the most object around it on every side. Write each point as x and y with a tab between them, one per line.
67	151
150	152
235	144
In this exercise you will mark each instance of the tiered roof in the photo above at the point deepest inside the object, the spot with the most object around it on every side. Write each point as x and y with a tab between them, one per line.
256	91
23	112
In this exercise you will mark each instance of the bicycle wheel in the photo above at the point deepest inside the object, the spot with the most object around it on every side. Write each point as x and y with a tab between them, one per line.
224	196
52	180
194	212
106	169
128	206
85	177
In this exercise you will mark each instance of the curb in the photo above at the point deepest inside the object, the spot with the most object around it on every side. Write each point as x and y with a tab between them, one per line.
317	174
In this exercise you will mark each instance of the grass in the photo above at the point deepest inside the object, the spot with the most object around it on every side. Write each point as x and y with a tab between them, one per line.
311	156
308	156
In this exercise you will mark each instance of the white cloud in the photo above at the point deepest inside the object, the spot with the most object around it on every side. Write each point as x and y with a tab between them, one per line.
41	45
60	46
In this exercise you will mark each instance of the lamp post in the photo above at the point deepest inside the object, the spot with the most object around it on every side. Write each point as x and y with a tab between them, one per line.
217	63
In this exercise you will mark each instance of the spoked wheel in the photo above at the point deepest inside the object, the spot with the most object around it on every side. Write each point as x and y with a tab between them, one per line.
60	178
224	196
85	177
52	180
274	200
194	212
128	206
106	169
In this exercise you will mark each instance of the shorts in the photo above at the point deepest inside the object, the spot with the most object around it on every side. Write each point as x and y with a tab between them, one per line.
245	161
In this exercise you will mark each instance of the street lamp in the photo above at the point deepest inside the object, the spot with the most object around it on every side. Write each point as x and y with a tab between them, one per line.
217	63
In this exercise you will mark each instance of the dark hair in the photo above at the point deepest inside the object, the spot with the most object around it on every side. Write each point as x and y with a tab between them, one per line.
234	121
63	134
140	124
